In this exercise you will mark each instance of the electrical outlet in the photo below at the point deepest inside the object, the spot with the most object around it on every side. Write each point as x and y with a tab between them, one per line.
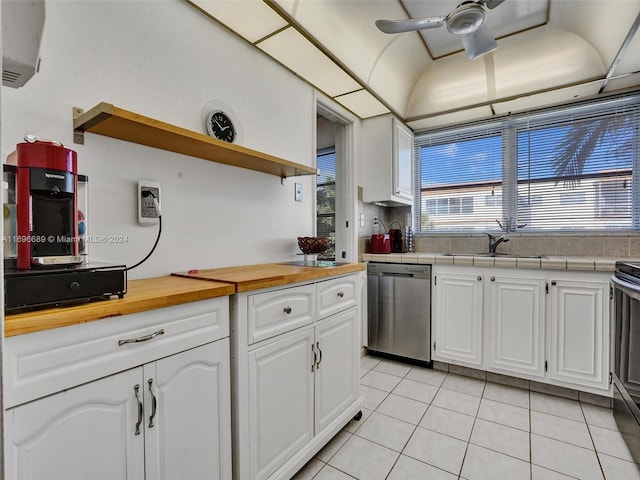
298	194
148	202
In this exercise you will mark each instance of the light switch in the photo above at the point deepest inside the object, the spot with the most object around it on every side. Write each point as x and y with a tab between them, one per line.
298	195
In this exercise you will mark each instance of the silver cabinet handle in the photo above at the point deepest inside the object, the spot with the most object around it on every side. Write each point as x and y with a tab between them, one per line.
154	403
315	357
341	294
287	310
144	338
136	389
320	356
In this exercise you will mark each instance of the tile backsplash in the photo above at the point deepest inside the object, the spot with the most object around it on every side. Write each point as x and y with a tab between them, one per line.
618	245
605	245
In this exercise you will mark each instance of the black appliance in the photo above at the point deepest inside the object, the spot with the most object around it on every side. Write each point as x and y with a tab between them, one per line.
33	289
47	205
625	377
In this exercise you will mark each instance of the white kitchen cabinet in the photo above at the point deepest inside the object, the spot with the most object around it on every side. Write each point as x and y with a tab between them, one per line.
191	432
578	332
551	327
295	390
166	414
337	372
515	325
280	392
85	432
387	149
457	317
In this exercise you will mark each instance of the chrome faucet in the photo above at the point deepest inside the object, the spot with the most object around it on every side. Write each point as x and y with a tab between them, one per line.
495	241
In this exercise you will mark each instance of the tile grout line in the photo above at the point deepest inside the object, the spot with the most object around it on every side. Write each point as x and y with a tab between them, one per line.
595	449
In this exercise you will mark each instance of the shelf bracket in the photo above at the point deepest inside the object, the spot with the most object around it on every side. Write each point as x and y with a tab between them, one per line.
78	135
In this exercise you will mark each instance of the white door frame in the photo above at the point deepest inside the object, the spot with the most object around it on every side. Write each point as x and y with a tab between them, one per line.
346	209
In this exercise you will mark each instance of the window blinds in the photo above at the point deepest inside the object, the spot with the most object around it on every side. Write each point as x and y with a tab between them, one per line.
558	169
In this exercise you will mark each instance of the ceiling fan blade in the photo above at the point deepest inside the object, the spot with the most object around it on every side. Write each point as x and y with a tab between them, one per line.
491	3
479	43
409	25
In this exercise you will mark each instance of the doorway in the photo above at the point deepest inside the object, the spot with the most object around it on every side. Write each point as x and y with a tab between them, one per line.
335	182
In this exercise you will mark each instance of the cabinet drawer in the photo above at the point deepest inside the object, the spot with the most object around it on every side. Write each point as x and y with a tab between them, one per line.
336	295
279	311
42	363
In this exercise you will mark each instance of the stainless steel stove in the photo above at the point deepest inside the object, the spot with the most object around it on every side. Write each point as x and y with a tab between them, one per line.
625	375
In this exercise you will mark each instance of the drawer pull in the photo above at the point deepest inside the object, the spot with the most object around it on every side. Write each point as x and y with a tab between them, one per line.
144	338
154	403
341	294
136	389
287	310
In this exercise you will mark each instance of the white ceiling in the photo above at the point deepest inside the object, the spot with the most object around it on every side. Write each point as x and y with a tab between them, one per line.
549	51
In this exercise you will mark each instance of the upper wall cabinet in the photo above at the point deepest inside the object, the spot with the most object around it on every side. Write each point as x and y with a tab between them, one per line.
387	153
106	119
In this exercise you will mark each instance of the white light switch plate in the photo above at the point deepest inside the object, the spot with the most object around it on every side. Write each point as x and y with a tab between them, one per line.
298	194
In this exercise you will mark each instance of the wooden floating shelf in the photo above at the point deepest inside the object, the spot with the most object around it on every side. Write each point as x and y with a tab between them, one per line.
108	120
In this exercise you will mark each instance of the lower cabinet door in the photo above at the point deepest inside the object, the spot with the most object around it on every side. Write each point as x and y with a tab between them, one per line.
457	318
188	415
87	432
516	325
280	400
578	333
337	369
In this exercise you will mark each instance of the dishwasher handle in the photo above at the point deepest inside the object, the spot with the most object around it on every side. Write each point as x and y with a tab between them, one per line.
389	274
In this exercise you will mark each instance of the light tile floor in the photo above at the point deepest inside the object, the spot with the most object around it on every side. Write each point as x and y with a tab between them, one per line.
421	424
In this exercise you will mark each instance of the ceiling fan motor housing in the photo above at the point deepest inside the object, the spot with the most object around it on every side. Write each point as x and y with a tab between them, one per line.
468	17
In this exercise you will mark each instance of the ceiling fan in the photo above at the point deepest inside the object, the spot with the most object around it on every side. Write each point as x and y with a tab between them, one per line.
466	20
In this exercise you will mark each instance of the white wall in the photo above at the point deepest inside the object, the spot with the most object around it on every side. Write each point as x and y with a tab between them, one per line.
165	60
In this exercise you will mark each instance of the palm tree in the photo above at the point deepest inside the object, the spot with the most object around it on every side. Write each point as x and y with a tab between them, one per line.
578	145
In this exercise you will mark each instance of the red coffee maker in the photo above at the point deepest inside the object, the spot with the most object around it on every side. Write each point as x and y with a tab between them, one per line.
46	205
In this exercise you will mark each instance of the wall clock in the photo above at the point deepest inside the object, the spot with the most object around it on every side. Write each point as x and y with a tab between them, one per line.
220	126
220	122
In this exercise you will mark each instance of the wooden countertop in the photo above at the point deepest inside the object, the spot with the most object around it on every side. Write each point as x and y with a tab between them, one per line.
145	294
254	277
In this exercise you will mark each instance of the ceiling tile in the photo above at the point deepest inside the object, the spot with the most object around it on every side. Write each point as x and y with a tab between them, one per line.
449	83
602	23
347	29
543	58
362	103
294	51
396	71
251	19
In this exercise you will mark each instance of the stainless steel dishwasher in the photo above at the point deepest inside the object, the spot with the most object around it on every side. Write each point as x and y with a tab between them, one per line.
399	310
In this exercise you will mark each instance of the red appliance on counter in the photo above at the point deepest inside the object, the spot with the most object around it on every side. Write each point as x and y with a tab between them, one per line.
380	243
46	205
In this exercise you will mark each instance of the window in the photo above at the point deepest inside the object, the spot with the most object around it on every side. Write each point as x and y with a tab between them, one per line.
458	173
326	199
559	169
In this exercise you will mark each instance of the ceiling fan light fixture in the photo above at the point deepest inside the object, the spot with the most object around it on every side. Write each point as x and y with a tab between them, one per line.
465	19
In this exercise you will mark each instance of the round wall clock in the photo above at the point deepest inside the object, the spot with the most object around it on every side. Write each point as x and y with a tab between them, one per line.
220	126
220	122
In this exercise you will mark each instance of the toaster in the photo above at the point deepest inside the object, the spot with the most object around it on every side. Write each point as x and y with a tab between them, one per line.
380	243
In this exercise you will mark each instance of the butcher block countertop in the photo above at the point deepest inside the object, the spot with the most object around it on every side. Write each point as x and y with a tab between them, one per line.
254	277
142	295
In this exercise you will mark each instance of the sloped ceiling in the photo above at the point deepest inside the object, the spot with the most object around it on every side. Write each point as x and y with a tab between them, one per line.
569	49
